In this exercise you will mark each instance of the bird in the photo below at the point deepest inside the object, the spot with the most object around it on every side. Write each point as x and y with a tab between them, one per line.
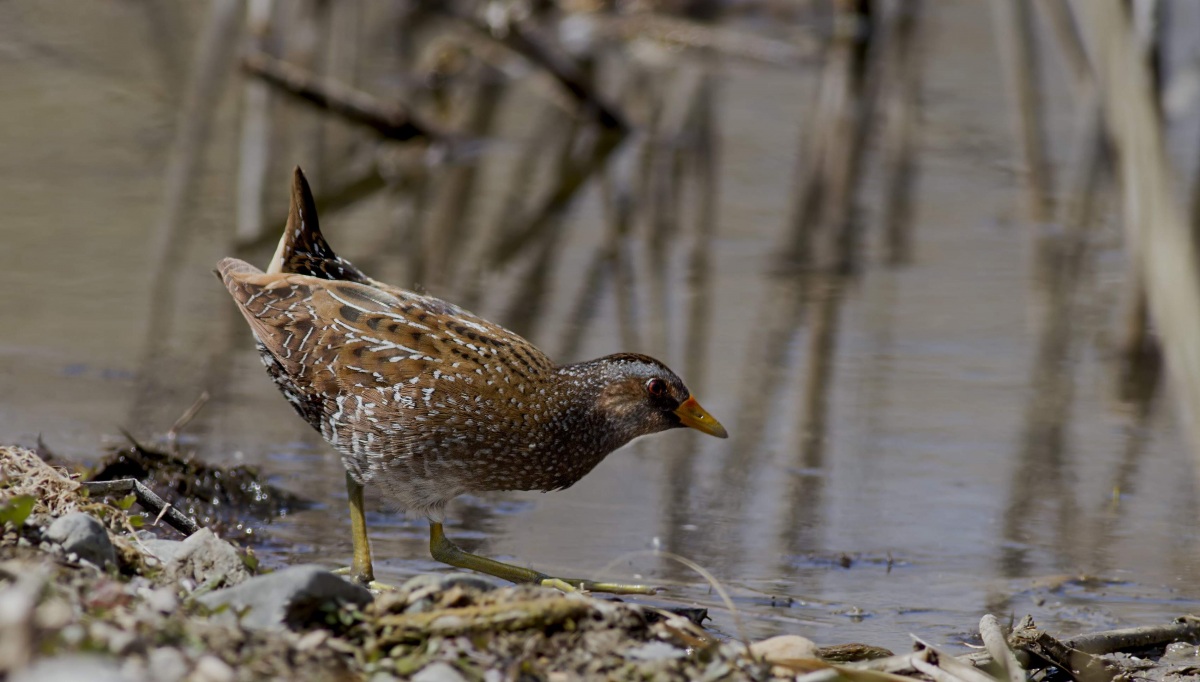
427	401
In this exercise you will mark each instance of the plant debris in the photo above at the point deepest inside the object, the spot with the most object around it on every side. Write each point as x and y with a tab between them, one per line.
222	498
202	609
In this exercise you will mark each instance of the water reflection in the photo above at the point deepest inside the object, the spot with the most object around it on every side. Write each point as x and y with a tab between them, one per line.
923	422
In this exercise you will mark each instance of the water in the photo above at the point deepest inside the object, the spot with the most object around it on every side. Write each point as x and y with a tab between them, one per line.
934	486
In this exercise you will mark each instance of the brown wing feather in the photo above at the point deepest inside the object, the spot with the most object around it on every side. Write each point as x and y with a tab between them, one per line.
337	338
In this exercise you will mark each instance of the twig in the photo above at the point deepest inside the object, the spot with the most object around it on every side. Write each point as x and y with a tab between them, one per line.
148	499
392	121
948	664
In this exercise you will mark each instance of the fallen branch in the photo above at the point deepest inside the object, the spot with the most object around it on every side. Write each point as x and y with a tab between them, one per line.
1184	629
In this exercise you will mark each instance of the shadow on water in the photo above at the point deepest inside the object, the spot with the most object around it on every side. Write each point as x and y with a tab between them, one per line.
923	423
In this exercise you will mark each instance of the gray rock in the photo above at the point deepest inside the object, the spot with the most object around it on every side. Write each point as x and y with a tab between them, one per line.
72	668
212	669
423	589
163	550
655	651
201	558
438	672
84	535
444	581
168	664
289	597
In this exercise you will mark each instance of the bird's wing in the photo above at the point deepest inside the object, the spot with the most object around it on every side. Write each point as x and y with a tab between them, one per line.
342	335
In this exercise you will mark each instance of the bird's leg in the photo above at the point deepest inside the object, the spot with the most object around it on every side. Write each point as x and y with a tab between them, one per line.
449	553
360	569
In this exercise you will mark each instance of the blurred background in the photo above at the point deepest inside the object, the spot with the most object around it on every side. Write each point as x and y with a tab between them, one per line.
885	242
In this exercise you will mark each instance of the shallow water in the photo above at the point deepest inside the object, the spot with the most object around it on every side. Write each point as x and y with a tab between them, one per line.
937	487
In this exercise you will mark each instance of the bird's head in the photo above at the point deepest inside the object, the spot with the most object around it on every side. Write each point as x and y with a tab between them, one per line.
639	395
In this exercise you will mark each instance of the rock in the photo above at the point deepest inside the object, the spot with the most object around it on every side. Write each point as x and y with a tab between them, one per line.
422	591
72	668
655	651
85	536
444	581
18	603
212	669
288	597
163	550
783	650
201	558
438	672
168	664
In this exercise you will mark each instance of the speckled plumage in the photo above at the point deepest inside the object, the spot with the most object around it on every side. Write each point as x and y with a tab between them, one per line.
424	399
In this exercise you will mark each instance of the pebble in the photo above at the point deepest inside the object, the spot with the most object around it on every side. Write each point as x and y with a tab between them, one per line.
290	595
83	535
168	664
72	668
438	672
201	558
212	669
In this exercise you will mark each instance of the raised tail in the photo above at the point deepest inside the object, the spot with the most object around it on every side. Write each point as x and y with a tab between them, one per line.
302	248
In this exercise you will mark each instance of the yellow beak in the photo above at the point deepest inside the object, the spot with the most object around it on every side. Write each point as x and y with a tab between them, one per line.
692	415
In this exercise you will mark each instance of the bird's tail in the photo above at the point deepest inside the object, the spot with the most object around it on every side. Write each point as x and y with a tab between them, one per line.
302	248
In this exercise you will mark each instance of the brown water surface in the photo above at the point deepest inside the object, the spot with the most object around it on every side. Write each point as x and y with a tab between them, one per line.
958	462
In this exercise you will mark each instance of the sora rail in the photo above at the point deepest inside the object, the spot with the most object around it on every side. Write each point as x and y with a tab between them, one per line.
427	401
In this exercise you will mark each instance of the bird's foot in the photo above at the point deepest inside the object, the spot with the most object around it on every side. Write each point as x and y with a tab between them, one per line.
558	584
368	582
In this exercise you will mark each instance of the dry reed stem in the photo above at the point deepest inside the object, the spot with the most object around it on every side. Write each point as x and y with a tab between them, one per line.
997	645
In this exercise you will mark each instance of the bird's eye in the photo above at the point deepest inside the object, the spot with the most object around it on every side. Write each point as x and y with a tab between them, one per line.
656	387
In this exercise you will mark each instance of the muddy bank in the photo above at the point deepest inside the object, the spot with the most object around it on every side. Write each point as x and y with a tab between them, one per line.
90	588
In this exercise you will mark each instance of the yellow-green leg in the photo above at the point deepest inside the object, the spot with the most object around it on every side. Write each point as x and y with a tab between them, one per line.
361	569
449	553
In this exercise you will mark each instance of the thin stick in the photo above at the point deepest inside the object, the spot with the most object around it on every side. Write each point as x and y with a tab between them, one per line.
148	499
